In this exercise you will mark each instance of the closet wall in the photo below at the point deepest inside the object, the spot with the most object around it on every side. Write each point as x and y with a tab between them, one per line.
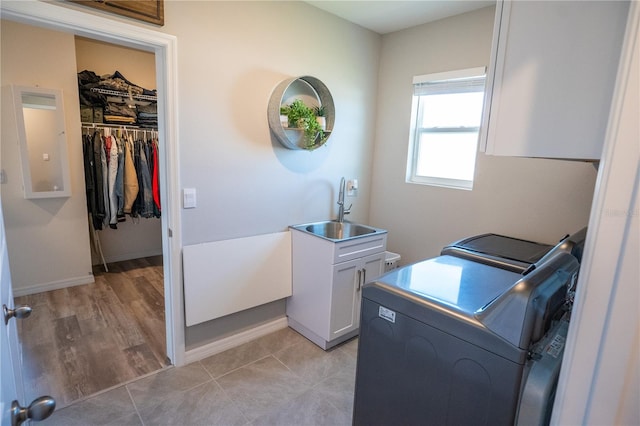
48	239
133	238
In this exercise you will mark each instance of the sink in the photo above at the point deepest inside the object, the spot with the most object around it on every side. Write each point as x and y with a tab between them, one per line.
337	231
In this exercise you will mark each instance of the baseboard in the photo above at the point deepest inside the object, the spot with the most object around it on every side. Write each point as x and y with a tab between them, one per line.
53	285
112	258
222	345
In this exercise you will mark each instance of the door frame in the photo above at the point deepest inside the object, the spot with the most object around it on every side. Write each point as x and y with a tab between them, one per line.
61	17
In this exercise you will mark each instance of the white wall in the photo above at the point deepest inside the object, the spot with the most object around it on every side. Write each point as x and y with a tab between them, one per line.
48	239
536	199
231	56
138	66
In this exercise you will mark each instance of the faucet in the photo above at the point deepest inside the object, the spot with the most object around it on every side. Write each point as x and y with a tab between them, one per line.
341	210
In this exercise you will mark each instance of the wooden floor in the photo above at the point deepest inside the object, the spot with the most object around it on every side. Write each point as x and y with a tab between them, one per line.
84	339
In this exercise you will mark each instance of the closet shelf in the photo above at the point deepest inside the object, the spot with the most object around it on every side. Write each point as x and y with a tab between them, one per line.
124	94
90	125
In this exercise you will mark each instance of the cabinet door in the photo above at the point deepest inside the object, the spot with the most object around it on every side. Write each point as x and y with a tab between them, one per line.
372	267
346	292
345	295
550	85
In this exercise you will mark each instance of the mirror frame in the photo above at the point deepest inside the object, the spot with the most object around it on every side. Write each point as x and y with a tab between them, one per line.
29	193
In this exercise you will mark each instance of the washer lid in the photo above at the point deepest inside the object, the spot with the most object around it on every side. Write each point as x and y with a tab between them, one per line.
445	293
504	252
453	283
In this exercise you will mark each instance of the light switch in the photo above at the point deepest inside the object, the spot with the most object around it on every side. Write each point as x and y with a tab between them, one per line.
45	156
189	198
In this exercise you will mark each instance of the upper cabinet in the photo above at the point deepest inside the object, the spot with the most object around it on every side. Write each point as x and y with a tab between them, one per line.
550	83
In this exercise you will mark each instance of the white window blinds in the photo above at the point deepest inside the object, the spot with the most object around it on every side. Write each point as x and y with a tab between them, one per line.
460	81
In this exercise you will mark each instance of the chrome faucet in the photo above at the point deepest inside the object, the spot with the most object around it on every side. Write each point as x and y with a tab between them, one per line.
341	210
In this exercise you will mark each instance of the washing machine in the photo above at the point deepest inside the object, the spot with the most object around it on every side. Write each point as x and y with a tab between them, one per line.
513	254
448	341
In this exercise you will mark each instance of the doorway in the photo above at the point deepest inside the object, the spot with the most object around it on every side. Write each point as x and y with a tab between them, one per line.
59	18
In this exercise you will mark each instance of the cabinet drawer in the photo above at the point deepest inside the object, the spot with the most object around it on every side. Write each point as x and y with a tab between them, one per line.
360	247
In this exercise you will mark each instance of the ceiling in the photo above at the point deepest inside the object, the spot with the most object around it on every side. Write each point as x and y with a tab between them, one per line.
393	15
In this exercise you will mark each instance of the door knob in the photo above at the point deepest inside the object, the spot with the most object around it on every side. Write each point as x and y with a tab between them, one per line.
39	409
19	312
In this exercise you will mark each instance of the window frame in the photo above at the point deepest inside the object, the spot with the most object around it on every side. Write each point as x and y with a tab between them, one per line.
415	131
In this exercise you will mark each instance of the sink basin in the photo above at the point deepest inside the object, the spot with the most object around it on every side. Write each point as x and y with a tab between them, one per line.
337	231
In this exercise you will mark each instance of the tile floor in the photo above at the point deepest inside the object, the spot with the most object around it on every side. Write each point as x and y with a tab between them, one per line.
279	379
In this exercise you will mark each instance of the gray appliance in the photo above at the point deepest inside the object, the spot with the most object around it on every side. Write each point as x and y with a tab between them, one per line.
511	253
447	341
501	251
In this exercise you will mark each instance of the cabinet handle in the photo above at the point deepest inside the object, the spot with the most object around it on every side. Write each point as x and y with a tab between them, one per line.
364	276
359	279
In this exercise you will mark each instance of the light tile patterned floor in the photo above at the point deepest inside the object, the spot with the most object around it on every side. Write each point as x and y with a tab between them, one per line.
279	379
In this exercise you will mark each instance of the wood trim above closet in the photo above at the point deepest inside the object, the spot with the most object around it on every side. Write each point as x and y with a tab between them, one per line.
143	10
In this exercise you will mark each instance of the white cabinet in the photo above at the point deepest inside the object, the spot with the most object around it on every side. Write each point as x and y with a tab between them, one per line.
550	83
327	284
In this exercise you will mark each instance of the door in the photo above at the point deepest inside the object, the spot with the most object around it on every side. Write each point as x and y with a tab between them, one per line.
11	389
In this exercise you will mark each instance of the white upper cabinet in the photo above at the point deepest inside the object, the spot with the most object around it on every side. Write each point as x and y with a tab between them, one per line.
551	79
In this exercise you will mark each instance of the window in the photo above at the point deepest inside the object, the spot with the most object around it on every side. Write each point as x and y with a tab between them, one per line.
445	120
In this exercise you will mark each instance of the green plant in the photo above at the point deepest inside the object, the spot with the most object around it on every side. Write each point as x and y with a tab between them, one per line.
304	118
320	111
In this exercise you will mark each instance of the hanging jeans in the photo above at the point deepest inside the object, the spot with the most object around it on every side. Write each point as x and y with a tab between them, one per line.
143	205
98	157
115	181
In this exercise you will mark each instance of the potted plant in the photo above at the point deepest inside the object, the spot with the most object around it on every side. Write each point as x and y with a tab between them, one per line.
301	116
284	116
321	118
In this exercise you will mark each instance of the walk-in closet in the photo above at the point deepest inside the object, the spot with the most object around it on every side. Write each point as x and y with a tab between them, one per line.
84	337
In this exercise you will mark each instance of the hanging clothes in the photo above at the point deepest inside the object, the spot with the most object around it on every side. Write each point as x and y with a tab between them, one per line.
121	176
98	154
156	177
130	176
115	164
104	170
89	176
144	201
